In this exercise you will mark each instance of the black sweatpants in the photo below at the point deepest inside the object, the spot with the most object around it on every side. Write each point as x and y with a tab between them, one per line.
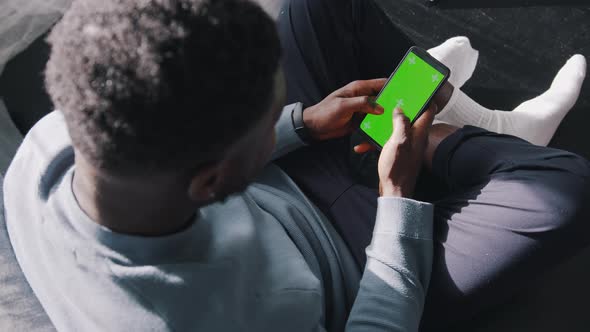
505	210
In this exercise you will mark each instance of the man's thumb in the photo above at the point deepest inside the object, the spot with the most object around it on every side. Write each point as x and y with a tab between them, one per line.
401	124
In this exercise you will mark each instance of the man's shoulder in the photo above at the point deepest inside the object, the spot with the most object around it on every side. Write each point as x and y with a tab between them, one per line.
50	134
40	163
44	155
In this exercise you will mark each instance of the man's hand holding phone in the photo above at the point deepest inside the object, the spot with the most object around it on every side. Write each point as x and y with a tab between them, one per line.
413	85
401	157
332	117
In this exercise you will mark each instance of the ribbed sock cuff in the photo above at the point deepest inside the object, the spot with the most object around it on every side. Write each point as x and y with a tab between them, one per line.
462	110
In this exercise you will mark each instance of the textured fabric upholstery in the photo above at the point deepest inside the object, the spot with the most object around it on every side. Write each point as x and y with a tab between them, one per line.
19	308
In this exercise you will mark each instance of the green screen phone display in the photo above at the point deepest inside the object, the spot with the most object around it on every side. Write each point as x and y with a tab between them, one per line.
410	88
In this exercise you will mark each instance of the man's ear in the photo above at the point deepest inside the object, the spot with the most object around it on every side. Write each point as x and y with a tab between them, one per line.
204	184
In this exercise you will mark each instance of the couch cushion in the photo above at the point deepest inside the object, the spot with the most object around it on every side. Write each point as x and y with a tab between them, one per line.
10	139
19	308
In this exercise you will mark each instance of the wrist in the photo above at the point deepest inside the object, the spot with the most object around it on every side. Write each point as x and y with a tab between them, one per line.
392	193
387	189
301	127
308	121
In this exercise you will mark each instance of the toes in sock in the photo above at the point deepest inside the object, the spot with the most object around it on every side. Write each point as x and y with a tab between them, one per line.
540	117
457	54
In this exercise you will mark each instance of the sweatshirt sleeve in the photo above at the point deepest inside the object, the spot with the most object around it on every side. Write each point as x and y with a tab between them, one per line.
287	139
397	273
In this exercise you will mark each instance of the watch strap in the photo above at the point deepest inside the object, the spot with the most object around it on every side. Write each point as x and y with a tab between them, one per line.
299	125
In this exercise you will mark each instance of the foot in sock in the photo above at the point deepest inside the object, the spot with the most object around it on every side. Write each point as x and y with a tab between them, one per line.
542	115
535	120
458	55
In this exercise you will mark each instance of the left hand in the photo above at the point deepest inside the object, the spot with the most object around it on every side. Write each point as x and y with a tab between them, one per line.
332	117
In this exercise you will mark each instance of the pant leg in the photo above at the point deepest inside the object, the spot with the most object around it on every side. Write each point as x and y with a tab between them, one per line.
514	211
328	44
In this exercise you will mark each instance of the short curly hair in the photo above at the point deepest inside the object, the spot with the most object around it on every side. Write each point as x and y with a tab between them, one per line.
161	84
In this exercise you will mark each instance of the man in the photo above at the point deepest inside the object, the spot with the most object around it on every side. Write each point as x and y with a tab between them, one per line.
134	207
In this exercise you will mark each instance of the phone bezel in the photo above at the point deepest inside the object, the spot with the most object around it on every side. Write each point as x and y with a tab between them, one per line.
428	59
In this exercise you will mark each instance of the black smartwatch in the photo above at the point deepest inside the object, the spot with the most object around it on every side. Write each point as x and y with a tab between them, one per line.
300	128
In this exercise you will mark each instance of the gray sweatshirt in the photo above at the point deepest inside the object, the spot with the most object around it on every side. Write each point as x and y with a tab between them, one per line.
265	259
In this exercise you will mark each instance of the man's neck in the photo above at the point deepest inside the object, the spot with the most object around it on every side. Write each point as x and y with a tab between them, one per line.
154	206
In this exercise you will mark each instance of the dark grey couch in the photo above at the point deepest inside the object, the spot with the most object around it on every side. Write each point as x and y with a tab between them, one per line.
19	308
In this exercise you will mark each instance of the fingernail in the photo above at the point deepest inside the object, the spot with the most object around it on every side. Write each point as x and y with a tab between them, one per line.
379	109
398	110
372	101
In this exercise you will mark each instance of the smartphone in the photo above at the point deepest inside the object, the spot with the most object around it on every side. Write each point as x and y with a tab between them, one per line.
411	87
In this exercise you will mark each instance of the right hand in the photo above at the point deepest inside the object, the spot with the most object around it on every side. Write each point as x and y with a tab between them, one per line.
401	158
332	117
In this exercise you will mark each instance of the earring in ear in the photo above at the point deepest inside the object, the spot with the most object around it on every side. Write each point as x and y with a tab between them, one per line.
212	195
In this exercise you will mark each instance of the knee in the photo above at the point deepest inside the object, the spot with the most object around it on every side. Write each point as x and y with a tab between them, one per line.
568	173
581	174
574	175
576	165
569	192
556	186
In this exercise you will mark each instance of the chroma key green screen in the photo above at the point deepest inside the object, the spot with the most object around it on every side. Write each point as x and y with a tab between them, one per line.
410	88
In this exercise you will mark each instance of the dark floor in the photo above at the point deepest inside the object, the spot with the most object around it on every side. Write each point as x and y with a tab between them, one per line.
21	86
521	48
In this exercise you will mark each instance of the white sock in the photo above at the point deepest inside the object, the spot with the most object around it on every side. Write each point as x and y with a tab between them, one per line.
457	54
535	120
